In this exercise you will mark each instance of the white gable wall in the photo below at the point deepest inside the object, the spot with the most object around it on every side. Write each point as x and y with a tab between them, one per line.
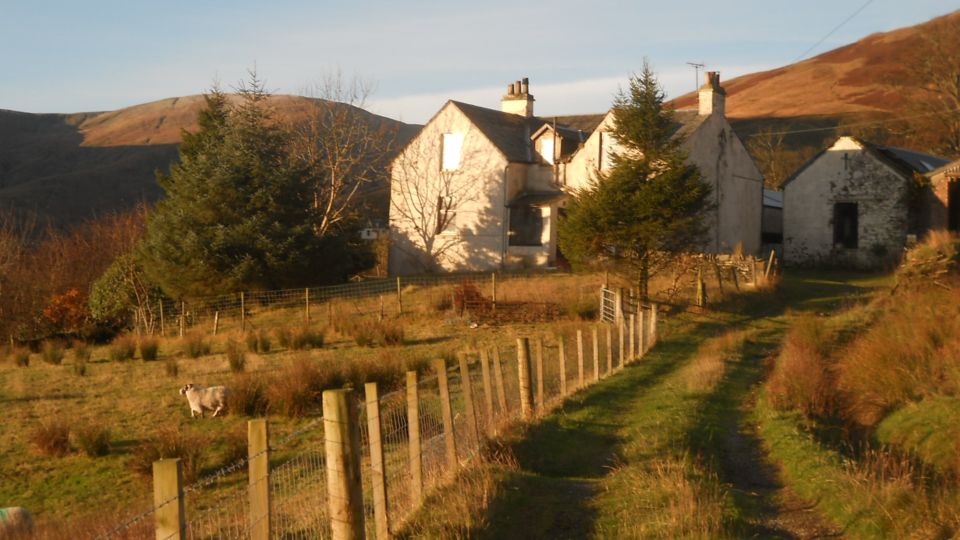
476	240
725	165
845	173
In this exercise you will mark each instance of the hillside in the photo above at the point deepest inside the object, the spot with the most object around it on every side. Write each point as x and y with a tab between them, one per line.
869	76
67	167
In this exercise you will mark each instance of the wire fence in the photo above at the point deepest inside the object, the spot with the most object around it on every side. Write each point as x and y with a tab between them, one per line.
411	440
496	297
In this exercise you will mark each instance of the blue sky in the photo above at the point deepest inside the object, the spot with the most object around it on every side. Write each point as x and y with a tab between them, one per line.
71	56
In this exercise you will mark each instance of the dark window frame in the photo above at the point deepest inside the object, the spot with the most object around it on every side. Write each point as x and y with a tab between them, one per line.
846	225
526	226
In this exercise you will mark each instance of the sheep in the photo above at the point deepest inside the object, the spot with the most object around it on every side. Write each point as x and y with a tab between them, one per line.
205	399
15	522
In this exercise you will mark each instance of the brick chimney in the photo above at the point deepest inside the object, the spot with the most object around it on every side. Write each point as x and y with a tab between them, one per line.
712	96
518	99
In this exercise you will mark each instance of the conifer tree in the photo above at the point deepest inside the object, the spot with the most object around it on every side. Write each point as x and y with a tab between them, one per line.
651	204
238	211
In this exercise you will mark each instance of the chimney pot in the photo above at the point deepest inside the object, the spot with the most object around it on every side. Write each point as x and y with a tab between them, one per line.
510	89
526	85
518	87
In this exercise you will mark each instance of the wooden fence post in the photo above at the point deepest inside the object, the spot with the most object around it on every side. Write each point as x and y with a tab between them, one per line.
633	338
378	472
162	329
170	519
653	324
449	436
621	352
413	433
538	358
487	389
596	354
641	338
618	305
609	348
523	375
258	465
243	313
493	290
216	322
306	303
773	258
467	386
399	297
562	358
498	379
341	433
580	358
183	317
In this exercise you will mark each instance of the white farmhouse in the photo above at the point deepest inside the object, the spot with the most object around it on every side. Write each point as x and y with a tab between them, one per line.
481	189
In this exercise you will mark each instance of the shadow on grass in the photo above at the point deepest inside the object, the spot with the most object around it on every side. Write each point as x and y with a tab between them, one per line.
562	457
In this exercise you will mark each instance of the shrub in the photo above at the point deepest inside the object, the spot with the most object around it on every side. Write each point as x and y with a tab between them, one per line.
305	338
376	334
443	301
258	341
582	309
52	353
247	395
801	377
172	442
80	367
123	348
92	439
52	438
283	337
194	346
149	349
21	357
236	358
81	351
171	367
296	389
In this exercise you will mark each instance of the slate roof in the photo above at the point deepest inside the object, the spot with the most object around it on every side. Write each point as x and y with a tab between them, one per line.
511	133
904	161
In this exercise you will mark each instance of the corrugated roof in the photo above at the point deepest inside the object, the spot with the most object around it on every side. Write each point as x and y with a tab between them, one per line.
950	169
908	161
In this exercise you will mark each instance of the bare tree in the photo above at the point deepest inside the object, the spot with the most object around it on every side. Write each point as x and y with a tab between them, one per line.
344	149
769	151
934	77
425	199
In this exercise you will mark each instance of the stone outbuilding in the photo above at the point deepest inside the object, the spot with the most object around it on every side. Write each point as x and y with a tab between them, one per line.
942	200
481	189
854	204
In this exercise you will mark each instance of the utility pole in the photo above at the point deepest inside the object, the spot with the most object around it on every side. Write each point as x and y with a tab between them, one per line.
697	66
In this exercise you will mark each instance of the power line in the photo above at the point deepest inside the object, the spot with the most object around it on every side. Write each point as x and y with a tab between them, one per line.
856	124
830	33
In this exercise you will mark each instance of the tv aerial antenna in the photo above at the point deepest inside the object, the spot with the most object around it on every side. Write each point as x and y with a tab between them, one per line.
697	66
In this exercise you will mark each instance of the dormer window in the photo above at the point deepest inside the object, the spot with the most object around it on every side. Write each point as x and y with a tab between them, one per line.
452	145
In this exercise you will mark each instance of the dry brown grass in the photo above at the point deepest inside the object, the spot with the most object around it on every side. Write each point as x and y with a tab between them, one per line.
52	437
686	507
708	366
911	352
801	378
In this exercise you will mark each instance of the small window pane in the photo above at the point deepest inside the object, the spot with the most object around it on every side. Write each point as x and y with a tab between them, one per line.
546	149
452	148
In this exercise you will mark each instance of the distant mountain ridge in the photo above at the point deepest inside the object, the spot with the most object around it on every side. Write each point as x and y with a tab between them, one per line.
867	76
67	167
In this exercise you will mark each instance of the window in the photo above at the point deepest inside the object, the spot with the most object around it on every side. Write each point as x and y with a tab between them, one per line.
452	147
526	226
547	149
845	228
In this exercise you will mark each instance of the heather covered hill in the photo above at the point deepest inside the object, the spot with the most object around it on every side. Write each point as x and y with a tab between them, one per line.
872	75
66	167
